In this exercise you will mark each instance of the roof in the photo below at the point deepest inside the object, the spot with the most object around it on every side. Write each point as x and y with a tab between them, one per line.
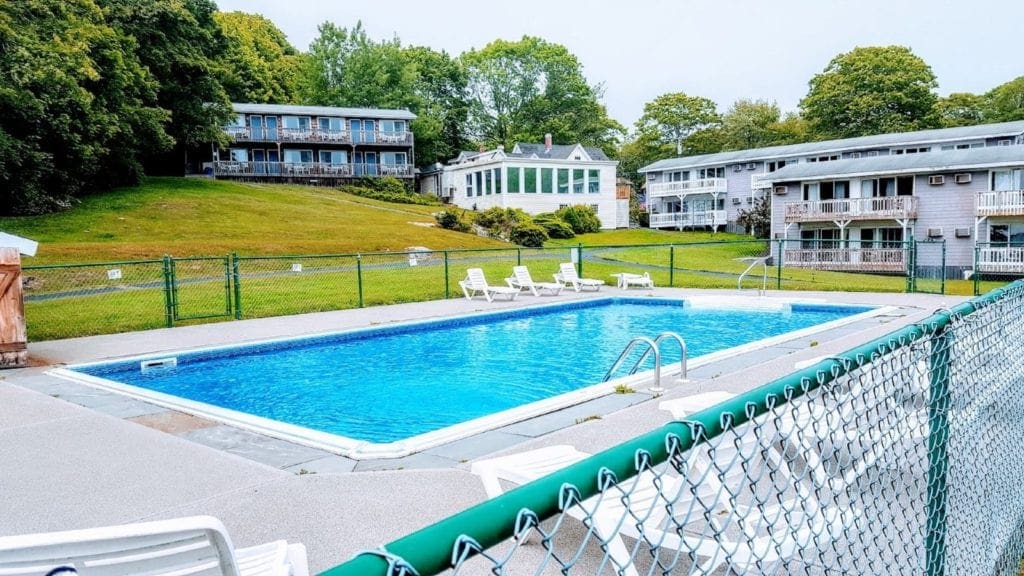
863	142
557	152
941	161
247	108
24	245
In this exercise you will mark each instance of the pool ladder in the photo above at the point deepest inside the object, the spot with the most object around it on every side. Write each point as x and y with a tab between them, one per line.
652	346
764	278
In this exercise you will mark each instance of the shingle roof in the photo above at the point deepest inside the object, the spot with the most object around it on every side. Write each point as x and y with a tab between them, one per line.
941	161
246	108
863	142
557	152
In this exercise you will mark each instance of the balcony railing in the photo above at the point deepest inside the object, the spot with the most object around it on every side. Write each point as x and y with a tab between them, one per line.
263	134
688	219
898	207
230	168
847	259
760	181
684	187
1000	203
1001	259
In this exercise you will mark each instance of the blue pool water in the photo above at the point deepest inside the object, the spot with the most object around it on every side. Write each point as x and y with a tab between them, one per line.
386	384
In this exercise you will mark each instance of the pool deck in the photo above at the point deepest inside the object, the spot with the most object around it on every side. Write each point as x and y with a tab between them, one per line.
72	456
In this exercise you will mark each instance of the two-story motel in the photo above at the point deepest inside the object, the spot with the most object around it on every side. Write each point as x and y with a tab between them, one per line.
851	204
314	144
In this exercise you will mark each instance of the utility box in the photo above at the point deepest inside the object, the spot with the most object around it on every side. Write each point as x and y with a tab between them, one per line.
13	336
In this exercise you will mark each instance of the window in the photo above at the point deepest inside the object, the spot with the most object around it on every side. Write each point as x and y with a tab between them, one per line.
1007	180
300	123
705	173
469	185
594	181
546	181
836	190
239	154
720	204
238	121
823	158
393	158
577	181
881	187
497	180
331	125
773	166
530	180
563	180
513	173
479	184
333	157
911	150
298	156
679	176
488	183
1012	234
393	127
820	239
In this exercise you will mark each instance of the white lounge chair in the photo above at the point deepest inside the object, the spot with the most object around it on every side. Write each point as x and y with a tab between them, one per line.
476	282
644	514
567	276
194	545
521	280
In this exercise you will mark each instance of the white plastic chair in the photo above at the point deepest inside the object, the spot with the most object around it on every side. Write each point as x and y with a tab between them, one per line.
521	280
197	545
476	282
567	276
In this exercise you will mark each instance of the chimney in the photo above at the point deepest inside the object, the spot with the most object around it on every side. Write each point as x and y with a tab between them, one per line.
547	142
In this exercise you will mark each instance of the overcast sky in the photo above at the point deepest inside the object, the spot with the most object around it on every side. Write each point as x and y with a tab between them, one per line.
719	49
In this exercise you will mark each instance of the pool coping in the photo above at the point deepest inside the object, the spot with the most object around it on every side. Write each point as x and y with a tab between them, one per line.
359	450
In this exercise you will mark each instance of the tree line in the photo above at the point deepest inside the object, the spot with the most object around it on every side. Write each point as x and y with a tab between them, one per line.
99	92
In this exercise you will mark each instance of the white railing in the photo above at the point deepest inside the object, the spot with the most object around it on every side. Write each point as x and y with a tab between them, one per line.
315	134
862	259
760	181
852	209
237	169
1000	203
688	219
684	187
1001	259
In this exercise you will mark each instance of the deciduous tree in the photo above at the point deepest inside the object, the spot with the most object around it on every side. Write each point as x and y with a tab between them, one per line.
960	109
1005	102
670	119
258	63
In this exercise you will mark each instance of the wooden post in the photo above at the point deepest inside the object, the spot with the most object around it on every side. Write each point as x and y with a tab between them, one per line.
13	338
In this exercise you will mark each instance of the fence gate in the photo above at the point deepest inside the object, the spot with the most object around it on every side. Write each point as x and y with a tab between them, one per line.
926	270
198	287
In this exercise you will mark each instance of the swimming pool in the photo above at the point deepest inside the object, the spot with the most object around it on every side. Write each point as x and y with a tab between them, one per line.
389	391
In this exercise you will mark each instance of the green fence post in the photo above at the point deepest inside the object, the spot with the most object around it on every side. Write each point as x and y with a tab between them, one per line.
975	274
778	266
359	277
447	291
579	259
671	265
519	256
938	439
174	290
909	256
236	278
942	289
168	296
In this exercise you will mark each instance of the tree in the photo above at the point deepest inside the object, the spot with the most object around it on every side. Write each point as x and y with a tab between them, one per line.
1005	102
258	64
520	91
871	90
441	106
960	109
77	109
670	119
758	219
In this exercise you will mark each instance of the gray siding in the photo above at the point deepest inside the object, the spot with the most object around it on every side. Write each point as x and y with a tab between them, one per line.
949	206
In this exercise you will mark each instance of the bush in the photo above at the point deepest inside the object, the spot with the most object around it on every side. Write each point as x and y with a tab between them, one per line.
499	222
387	189
556	228
529	235
582	219
452	220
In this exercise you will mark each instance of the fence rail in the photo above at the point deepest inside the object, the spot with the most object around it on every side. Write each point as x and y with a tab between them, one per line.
900	456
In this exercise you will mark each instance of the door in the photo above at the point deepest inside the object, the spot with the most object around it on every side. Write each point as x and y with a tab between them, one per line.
259	161
368	132
356	126
371	163
274	161
270	130
256	127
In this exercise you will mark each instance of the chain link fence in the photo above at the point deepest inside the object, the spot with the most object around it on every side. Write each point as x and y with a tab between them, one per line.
898	457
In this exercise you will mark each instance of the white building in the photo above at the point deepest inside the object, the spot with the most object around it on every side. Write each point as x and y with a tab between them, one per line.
536	178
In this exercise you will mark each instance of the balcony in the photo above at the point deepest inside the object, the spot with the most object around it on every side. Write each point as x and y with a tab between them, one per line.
1001	260
847	259
688	219
316	135
685	187
882	208
310	170
1001	203
760	181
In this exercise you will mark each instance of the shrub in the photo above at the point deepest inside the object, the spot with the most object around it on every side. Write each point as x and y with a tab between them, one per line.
387	189
530	235
556	228
499	222
452	220
582	219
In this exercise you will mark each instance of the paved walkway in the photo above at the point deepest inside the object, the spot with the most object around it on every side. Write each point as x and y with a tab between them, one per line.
72	456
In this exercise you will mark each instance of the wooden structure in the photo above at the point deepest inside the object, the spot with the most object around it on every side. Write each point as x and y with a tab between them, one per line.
13	337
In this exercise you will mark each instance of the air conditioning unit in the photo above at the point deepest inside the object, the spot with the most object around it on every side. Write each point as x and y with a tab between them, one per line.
779	236
854	154
737	168
935	232
751	165
937	180
1005	142
962	232
963	178
652	177
736	200
780	190
872	153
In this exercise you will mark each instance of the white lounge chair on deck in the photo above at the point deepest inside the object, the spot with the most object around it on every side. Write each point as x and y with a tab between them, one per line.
567	276
521	280
195	545
476	282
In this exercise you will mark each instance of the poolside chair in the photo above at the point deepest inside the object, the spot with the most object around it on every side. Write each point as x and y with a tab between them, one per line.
671	512
194	545
627	279
567	276
476	282
521	280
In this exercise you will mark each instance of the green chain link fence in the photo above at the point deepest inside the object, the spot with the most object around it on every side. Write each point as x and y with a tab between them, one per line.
900	456
84	299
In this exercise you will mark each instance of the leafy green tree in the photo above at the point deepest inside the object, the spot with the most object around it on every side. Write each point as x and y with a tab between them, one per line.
258	63
77	109
522	90
960	109
751	124
871	90
670	119
1005	102
758	219
441	105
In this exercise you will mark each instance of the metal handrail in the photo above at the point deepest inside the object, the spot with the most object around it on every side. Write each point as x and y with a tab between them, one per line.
652	345
657	341
764	280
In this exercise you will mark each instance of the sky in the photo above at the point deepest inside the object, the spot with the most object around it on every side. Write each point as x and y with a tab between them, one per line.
719	49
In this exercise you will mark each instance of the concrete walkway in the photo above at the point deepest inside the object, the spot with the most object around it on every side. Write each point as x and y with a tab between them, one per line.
72	456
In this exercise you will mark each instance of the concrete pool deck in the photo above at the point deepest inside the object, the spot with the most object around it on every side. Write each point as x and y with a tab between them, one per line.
73	456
